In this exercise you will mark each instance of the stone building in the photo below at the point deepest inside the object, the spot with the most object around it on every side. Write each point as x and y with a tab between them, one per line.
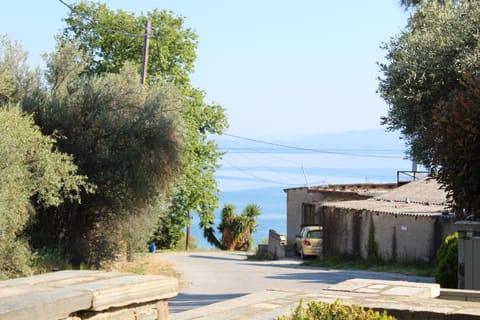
407	223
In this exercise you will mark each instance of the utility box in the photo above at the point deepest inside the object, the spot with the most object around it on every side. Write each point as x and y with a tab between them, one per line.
468	254
472	263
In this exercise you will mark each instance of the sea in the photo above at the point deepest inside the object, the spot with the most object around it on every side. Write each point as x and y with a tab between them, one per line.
258	171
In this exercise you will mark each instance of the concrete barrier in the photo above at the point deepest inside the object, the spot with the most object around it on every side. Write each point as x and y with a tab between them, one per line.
96	295
276	244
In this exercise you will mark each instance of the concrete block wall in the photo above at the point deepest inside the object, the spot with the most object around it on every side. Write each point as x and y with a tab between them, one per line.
405	238
276	244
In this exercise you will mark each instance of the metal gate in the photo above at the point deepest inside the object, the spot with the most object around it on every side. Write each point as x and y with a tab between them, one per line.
472	263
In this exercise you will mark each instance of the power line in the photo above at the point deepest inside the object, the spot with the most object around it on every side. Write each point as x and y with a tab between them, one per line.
90	19
315	150
257	177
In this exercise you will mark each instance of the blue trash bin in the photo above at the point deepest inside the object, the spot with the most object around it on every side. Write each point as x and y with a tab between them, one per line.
152	247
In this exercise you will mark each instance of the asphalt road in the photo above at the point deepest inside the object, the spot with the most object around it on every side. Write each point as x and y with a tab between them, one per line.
209	277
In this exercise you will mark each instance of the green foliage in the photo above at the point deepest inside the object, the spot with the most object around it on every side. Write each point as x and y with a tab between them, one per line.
32	172
16	78
432	86
47	260
105	37
196	188
334	311
447	262
168	231
425	63
414	3
372	245
180	245
127	139
237	230
456	132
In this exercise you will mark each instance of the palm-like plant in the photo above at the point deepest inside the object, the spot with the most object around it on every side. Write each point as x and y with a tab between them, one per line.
236	230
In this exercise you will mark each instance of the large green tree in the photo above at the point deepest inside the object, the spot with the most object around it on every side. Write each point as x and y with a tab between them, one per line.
16	77
425	63
456	134
429	83
111	38
33	174
124	137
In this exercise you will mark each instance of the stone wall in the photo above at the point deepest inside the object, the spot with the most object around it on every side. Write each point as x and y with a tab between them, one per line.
93	295
399	237
297	197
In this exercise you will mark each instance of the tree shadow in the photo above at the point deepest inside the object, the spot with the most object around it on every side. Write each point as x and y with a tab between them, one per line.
238	257
185	301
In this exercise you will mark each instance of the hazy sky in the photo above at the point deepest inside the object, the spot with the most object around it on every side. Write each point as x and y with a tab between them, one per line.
280	68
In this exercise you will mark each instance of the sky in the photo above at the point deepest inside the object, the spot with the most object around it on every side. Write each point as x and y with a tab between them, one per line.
281	69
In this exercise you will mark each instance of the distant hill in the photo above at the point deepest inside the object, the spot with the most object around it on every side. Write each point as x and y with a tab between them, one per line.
359	141
374	139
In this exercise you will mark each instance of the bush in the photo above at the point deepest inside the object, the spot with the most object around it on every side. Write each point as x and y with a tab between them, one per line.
447	262
334	311
48	260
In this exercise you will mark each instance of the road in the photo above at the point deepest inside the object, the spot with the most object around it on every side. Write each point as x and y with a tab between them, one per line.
208	277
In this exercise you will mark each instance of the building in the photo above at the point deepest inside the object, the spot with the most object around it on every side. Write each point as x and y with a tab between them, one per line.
407	223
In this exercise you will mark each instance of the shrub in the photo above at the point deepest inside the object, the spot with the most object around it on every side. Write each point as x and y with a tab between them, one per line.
372	245
334	311
447	262
48	260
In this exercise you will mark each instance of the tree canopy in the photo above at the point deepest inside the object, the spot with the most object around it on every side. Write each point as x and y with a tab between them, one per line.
112	38
125	138
148	150
429	83
236	229
425	63
33	173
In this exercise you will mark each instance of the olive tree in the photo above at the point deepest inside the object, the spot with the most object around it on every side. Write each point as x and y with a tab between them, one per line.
124	137
112	38
428	81
33	174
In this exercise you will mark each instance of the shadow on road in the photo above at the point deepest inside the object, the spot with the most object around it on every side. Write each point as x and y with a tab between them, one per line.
185	301
235	257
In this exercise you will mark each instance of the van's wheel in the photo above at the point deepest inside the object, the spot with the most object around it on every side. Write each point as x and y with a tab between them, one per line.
302	256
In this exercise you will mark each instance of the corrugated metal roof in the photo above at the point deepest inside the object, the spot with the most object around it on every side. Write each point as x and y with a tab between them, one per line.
390	207
419	198
426	191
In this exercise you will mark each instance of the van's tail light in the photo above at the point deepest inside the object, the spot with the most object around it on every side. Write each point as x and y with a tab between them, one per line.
306	243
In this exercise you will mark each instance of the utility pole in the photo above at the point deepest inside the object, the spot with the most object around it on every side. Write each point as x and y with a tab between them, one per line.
187	236
145	52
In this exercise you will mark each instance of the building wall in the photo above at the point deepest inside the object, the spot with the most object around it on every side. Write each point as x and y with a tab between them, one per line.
399	237
295	200
297	197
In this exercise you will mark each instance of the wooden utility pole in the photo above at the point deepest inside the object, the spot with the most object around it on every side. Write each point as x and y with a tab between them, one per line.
145	52
187	236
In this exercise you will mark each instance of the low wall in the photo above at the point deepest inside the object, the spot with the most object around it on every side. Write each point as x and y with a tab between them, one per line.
405	238
93	295
460	295
275	249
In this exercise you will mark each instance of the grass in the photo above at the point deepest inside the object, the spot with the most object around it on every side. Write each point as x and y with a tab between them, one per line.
409	269
146	263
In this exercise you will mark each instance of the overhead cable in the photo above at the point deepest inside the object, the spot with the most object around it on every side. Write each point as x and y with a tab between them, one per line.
128	34
349	154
